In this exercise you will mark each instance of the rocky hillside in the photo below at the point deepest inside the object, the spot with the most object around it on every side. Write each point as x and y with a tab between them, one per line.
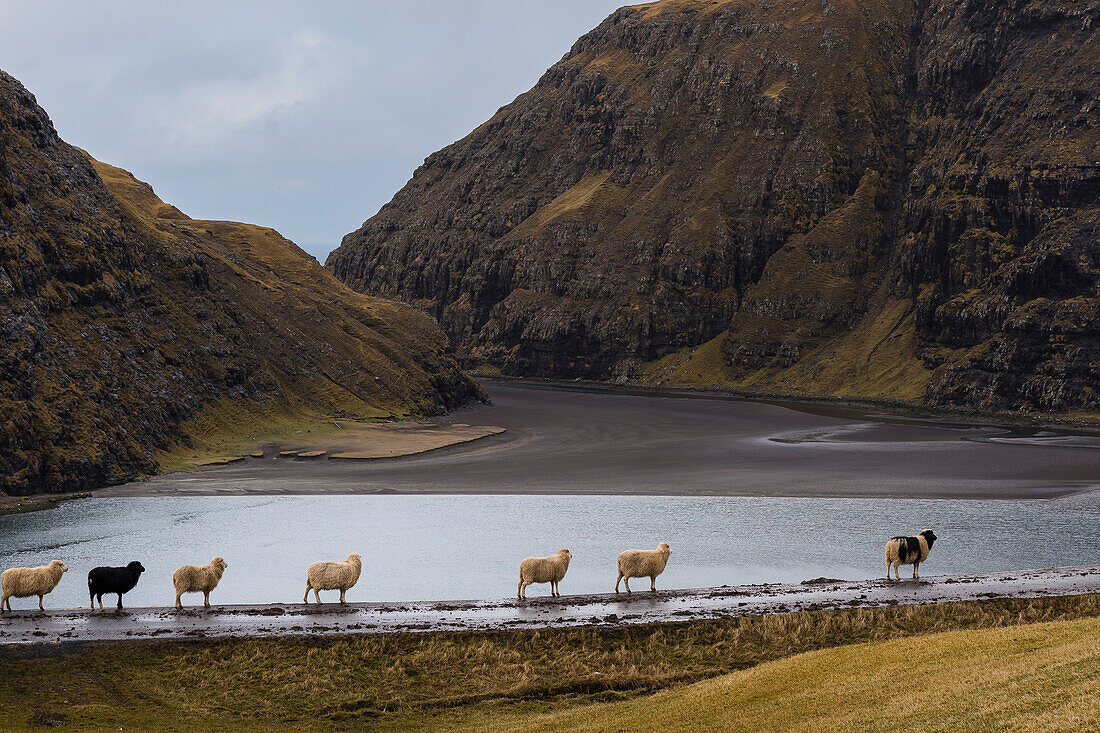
877	198
122	321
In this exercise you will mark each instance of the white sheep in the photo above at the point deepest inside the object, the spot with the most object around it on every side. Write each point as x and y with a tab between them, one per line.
543	570
331	575
26	582
642	564
196	579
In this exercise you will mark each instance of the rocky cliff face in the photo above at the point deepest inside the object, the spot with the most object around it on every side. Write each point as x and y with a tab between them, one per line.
121	319
879	198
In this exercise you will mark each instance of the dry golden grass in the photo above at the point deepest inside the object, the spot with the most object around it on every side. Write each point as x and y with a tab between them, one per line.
1044	677
488	679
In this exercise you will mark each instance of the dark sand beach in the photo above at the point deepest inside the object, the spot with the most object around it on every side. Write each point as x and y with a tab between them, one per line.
562	440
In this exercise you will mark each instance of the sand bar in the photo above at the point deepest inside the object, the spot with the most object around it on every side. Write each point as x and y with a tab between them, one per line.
582	441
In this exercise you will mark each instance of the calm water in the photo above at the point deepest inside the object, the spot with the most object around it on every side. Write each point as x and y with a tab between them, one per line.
460	547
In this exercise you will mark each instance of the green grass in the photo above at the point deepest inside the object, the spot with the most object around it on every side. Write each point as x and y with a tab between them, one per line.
504	679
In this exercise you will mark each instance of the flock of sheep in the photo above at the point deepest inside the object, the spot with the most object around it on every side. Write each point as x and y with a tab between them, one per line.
342	575
40	581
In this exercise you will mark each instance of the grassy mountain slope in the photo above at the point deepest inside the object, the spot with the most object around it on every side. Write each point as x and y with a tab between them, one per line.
881	198
126	326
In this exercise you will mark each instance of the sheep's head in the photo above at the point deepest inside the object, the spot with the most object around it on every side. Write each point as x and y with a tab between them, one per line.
219	563
136	568
355	557
663	547
59	564
929	537
565	553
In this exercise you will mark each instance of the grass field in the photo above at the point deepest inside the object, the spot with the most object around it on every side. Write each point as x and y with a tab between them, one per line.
1041	677
974	665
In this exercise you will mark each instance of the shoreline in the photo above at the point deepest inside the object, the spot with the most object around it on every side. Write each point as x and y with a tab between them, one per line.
901	409
39	502
279	620
539	418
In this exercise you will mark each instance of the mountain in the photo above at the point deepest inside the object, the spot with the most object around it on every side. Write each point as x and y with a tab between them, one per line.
876	198
126	326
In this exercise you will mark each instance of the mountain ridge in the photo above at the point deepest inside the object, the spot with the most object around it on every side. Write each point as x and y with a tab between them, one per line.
787	177
128	327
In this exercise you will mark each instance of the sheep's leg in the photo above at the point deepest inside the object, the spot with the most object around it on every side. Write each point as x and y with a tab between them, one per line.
653	582
305	598
626	583
519	588
119	601
178	603
40	606
317	595
617	582
341	595
916	574
100	600
206	598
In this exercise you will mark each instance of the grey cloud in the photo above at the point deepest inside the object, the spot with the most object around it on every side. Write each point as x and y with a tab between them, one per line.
302	116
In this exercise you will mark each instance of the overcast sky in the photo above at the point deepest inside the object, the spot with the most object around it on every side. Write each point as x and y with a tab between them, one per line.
304	116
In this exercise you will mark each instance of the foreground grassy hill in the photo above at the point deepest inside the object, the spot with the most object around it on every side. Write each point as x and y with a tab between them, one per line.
872	198
991	665
1035	678
128	330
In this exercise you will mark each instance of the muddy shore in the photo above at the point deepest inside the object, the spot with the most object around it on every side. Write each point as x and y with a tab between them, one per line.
640	607
559	440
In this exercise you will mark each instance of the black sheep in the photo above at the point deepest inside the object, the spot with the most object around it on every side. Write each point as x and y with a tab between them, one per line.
112	580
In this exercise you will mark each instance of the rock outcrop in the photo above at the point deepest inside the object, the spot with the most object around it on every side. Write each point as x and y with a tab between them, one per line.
874	198
122	320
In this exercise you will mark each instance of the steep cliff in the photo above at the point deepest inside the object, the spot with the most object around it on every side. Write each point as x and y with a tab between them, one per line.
121	320
878	198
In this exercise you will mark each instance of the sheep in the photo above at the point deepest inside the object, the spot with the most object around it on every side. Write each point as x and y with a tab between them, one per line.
332	575
103	580
26	582
908	551
192	579
543	570
642	563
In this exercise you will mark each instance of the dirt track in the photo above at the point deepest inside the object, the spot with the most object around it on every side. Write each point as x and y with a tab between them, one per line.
32	627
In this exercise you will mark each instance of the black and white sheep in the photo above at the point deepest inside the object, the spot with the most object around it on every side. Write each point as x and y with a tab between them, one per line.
105	580
908	551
